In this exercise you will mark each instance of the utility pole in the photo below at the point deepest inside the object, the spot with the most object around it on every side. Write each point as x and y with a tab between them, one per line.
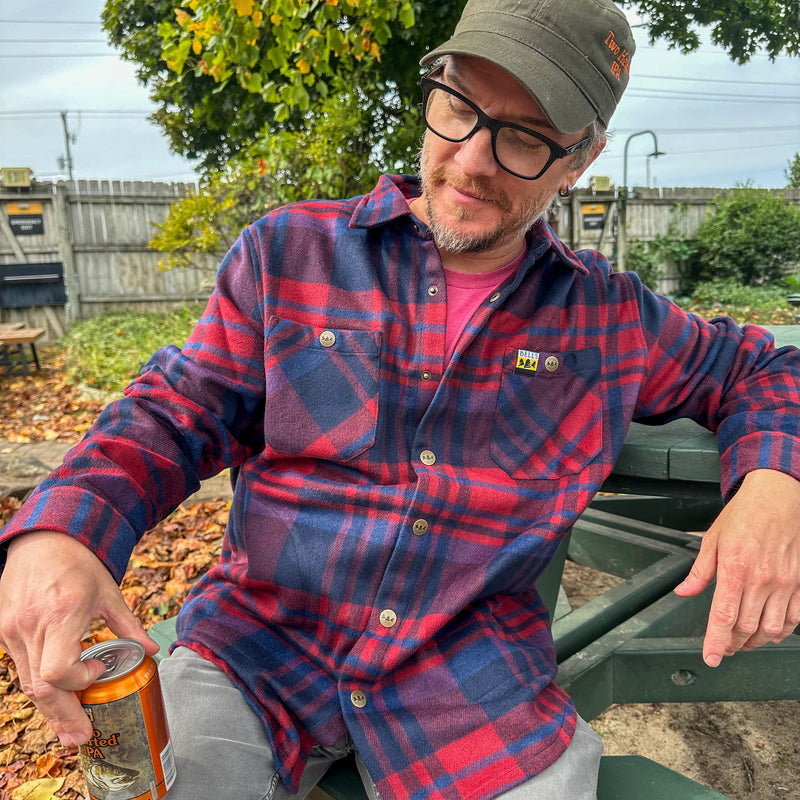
67	139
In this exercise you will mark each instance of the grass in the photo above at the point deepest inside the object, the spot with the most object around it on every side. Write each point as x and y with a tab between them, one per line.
765	305
106	352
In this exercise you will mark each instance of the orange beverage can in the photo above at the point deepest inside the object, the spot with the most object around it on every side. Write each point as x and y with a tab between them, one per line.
129	756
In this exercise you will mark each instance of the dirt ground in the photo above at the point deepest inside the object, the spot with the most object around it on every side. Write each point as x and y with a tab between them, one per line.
746	751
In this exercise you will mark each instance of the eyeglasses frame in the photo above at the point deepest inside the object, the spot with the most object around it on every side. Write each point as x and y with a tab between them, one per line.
557	151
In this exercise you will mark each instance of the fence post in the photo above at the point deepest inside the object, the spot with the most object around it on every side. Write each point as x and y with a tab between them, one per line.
73	309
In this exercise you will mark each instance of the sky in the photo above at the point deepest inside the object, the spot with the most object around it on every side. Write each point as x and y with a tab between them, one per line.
717	123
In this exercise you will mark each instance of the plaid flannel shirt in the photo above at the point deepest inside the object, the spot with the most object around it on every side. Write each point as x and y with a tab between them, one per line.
392	511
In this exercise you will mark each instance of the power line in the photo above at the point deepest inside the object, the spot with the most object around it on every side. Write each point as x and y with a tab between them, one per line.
715	80
60	55
52	41
48	22
610	156
675	94
708	49
107	112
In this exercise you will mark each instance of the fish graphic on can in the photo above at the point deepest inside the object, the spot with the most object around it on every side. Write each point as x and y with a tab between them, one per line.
129	756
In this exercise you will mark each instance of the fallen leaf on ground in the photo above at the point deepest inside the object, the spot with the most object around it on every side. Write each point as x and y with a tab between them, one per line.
39	789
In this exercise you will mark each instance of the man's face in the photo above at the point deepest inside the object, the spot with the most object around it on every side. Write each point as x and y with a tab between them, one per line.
472	204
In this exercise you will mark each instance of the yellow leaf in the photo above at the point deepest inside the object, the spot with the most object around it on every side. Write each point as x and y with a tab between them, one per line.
182	17
258	17
197	46
244	8
374	51
40	789
303	66
50	435
276	19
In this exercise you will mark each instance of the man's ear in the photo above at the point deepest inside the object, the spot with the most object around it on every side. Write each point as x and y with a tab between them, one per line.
599	146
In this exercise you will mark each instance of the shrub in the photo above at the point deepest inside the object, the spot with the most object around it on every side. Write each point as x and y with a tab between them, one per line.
752	238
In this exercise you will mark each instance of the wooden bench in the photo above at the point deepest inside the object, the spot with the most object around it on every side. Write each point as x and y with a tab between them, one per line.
15	340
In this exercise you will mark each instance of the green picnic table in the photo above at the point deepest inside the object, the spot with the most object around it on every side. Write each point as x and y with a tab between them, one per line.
639	642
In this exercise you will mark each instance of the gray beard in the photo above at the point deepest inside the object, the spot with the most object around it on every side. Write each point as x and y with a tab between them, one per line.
451	241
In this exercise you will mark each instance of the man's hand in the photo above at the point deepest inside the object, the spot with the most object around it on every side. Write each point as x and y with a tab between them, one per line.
51	589
753	547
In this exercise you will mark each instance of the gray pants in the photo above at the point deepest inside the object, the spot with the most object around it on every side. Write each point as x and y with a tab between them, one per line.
221	749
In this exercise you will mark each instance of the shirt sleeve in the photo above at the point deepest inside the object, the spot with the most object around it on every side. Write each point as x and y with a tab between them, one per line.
192	412
729	378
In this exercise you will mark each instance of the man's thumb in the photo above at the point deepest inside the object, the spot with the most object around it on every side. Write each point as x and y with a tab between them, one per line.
124	624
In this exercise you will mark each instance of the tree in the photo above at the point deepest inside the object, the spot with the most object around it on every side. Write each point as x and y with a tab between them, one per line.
325	92
741	28
224	72
793	172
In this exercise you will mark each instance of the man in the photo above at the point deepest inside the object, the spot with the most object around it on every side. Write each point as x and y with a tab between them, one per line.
421	390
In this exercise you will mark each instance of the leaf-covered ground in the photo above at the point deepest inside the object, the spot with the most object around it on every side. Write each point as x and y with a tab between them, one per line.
42	407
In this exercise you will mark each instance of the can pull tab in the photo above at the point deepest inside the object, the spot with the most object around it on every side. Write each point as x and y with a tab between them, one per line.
109	660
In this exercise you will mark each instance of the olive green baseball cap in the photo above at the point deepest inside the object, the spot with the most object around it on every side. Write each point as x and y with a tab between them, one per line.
573	56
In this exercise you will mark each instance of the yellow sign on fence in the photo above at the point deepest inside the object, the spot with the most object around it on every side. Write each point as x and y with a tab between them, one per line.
15	177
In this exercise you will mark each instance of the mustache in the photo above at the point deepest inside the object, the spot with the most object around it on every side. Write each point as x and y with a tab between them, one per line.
477	187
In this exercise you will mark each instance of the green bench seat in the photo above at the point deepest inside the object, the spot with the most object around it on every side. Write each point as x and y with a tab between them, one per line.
621	778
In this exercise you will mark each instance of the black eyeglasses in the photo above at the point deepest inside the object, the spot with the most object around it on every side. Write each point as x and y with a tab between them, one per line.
521	151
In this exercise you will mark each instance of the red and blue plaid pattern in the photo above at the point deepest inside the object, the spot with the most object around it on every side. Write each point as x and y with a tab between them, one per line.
374	477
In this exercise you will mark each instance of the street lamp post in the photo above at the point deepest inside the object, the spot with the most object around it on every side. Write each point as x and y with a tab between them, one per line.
623	196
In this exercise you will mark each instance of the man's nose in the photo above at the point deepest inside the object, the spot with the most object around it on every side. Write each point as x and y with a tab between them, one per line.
475	156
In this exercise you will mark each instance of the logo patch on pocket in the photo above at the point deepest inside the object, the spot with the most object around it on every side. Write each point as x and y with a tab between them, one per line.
527	362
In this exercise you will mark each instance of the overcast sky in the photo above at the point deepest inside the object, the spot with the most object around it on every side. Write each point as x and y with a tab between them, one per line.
718	124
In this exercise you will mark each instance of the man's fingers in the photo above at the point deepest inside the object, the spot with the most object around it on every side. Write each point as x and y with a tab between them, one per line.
703	570
63	710
722	618
52	682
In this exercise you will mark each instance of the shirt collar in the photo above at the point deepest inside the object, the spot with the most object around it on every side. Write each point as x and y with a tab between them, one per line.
389	200
386	202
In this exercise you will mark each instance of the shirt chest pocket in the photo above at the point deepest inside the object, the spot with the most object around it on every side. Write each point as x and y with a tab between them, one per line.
548	422
321	390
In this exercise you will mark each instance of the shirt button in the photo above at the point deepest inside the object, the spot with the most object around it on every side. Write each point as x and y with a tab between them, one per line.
427	457
426	376
551	364
388	618
420	527
433	291
358	698
327	338
495	297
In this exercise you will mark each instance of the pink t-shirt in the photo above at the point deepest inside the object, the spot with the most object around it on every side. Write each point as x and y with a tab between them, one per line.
466	292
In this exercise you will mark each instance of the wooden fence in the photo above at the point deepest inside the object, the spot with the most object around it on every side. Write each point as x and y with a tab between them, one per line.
73	250
93	237
591	219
